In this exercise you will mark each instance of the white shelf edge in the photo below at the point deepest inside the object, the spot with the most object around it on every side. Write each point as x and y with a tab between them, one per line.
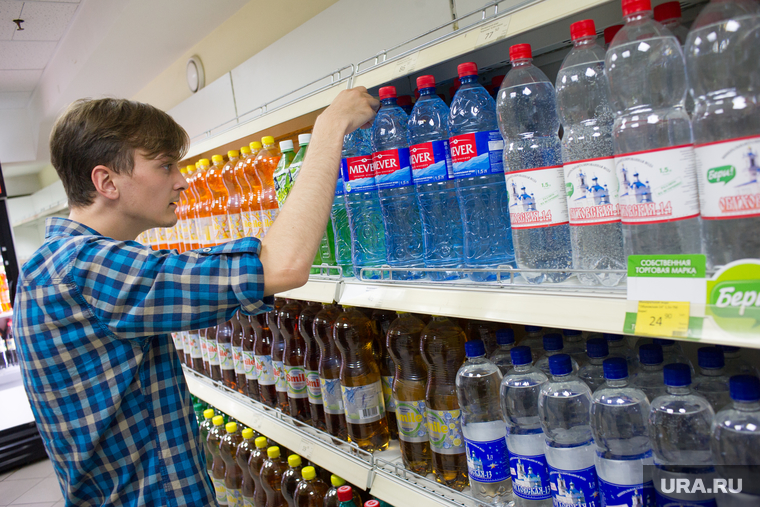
397	491
6	315
56	208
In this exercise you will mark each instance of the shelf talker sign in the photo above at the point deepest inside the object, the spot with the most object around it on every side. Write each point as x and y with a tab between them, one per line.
733	297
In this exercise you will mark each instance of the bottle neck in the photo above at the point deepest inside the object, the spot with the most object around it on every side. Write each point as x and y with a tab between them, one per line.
678	390
426	92
747	406
550	353
638	16
506	346
651	367
711	372
585	42
597	361
522	368
390	101
621	382
561	378
468	79
522	62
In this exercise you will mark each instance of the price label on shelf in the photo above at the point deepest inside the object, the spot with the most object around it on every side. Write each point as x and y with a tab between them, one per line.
306	448
492	32
662	318
407	64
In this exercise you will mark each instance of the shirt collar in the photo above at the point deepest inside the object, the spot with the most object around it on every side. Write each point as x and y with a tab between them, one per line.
57	226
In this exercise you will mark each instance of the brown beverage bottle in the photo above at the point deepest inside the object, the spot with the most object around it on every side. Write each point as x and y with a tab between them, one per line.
233	475
203	430
278	352
262	354
271	477
360	381
224	344
409	384
196	354
258	455
311	364
218	467
331	497
244	450
291	478
329	371
248	360
293	357
383	319
241	384
442	347
311	490
213	354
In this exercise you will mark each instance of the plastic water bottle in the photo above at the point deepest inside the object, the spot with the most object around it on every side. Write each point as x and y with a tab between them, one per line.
618	348
502	356
736	364
552	346
528	120
534	339
619	424
669	14
485	435
575	345
520	390
362	204
711	381
341	230
589	167
476	151
722	51
649	378
592	373
398	197
679	428
673	353
563	407
433	176
654	156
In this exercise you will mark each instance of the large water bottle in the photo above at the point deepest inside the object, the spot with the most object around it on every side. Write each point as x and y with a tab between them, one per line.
534	339
722	51
362	204
341	229
502	356
672	352
476	147
520	389
619	424
592	373
483	428
649	378
589	165
553	346
527	110
563	407
711	381
654	156
398	197
432	172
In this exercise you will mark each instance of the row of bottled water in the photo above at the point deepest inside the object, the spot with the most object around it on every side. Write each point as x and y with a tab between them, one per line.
633	173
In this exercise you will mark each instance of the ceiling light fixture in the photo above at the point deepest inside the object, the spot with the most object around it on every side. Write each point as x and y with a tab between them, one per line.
18	24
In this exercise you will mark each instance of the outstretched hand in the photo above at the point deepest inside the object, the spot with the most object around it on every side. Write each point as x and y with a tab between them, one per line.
352	109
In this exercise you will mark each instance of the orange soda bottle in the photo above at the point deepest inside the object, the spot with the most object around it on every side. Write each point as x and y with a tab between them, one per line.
293	361
311	364
203	206
233	475
181	212
255	462
218	466
244	450
192	199
243	188
234	196
329	371
271	477
311	490
249	181
220	225
264	164
291	478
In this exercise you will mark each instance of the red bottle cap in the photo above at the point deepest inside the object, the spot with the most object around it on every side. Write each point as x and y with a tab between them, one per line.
610	32
371	503
345	494
520	52
666	11
585	28
496	81
467	69
425	82
634	6
387	92
404	100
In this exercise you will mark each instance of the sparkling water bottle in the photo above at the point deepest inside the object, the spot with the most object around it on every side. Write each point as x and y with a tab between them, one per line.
398	197
520	389
552	346
722	51
502	356
592	373
433	176
649	377
619	424
476	147
711	381
654	156
563	407
483	428
589	166
527	110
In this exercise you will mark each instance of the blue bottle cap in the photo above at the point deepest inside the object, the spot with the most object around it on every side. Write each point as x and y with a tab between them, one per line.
521	355
677	374
571	332
532	329
612	337
597	348
615	368
650	353
710	358
505	336
474	348
744	388
560	364
553	342
728	348
663	342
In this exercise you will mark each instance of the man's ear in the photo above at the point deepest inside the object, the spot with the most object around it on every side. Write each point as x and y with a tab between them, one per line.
103	179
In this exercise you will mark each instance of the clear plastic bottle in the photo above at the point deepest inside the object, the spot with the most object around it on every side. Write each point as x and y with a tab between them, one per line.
619	423
527	110
619	348
673	353
519	392
329	371
291	478
266	197
311	364
258	455
203	431
432	173
654	156
241	383
224	346
553	345
563	407
346	497
711	382
233	474
218	466
476	147
252	201
534	338
398	196
283	181
669	15
382	320
243	454
341	230
502	357
589	166
220	225
262	355
592	373
311	490
485	435
736	364
649	377
234	202
272	469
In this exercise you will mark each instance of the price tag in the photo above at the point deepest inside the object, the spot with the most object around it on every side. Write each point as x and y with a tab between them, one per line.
492	32
662	318
306	449
255	421
407	64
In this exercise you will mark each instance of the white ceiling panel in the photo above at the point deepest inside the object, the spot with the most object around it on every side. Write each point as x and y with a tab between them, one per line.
44	21
25	55
9	10
13	100
19	80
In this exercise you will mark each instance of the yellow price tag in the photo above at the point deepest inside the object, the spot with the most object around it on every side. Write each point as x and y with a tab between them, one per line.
663	318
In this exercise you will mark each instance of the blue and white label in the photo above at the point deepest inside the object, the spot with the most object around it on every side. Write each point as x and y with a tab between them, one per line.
339	186
431	162
392	168
574	488
358	174
332	397
477	154
530	476
487	462
627	495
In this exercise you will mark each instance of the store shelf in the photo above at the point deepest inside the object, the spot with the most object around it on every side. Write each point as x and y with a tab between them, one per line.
61	207
6	315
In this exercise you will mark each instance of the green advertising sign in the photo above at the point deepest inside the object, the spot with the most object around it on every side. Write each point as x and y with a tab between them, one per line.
667	266
733	297
722	174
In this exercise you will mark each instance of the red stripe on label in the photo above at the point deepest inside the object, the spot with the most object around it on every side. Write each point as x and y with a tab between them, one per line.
535	169
660	221
727	141
588	160
619	155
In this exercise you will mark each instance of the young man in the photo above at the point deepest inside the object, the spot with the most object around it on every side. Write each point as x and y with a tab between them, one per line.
94	309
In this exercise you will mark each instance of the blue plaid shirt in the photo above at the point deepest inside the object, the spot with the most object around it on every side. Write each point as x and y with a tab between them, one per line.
92	319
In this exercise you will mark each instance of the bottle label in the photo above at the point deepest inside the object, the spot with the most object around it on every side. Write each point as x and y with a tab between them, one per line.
728	172
313	387
339	186
627	494
248	502
220	229
204	231
358	174
571	488
249	365
592	191
657	186
171	235
256	221
279	375
392	168
225	356
332	396
194	344
177	339
246	221
192	227
295	168
488	462
363	404
390	402
213	353
265	370
530	477
220	490
445	430
161	235
236	226
431	161
412	421
296	378
477	154
234	498
237	360
282	184
204	349
537	197
267	218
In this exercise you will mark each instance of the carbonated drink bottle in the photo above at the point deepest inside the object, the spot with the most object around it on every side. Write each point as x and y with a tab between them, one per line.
736	364
341	229
218	466
224	346
293	361
711	382
233	475
346	497
220	225
649	377
563	407
295	166
234	202
534	338
432	173
203	429
669	15
271	474
290	479
251	201
502	357
238	188
311	364
553	345
196	353
593	202
283	180
476	153
483	428
528	120
248	359
238	335
329	371
654	159
382	320
255	462
520	390
262	354
192	198
442	350
203	205
311	490
331	498
264	165
410	375
214	364
244	450
278	355
360	381
393	177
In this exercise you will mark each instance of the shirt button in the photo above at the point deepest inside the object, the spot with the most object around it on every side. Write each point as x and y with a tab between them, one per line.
206	249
